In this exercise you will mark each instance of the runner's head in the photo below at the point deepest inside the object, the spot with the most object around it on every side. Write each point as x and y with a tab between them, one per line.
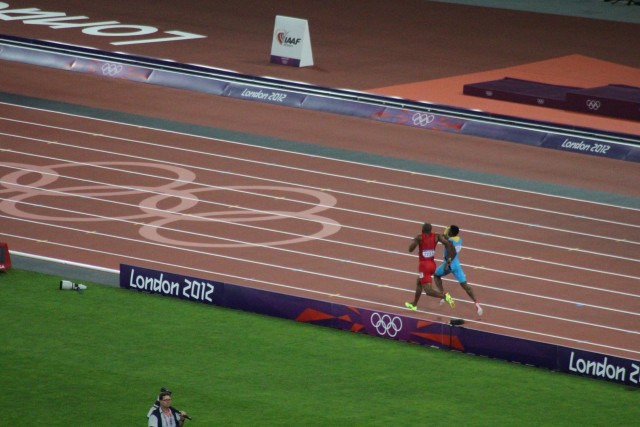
453	231
426	228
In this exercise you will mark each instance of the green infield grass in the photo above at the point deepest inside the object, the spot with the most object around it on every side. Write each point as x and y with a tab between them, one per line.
99	358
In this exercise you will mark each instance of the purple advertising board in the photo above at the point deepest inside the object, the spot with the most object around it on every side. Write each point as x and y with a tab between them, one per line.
276	92
504	133
181	81
341	106
589	146
263	94
419	119
598	366
111	69
172	285
43	59
382	324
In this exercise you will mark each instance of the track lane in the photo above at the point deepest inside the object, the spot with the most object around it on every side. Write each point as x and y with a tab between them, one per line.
372	217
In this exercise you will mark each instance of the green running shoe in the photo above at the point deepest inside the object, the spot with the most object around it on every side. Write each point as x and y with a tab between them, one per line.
410	306
450	300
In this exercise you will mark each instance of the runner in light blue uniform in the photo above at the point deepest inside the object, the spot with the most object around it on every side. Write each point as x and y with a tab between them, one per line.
454	267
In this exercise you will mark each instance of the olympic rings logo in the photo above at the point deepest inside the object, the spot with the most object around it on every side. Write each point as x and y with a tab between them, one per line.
111	69
386	325
422	119
593	104
168	208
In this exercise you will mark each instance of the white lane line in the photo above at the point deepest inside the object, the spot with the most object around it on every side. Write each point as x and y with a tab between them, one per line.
528	225
502	271
262	195
302	155
271	164
339	260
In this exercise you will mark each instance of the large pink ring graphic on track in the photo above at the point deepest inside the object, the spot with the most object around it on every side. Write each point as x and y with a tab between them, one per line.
231	217
167	204
37	182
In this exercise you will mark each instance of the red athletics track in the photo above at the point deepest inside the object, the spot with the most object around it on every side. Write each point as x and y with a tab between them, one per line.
232	205
570	287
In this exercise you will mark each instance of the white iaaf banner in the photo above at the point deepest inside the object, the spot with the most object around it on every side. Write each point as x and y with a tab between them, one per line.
291	43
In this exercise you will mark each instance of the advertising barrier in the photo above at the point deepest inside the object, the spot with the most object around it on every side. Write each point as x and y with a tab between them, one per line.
341	106
296	95
522	136
261	94
382	324
173	285
420	119
587	146
180	81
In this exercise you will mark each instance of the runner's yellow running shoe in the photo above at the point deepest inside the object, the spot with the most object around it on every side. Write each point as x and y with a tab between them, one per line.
410	306
450	300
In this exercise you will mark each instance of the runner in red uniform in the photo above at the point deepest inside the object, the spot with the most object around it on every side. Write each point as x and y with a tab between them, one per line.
426	242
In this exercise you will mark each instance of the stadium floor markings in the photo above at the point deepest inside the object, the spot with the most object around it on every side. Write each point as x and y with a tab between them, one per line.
394	238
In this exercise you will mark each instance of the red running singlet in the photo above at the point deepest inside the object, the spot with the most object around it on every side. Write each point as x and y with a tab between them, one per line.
427	246
427	264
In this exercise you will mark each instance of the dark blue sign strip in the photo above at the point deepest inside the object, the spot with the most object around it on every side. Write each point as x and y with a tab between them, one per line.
172	285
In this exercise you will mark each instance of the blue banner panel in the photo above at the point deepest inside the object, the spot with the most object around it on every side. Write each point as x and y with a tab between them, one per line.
419	119
272	303
111	69
341	106
587	146
172	285
598	366
182	81
272	96
634	154
504	133
508	348
44	59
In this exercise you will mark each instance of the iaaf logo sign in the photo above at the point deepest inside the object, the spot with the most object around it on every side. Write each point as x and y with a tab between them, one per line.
60	20
282	36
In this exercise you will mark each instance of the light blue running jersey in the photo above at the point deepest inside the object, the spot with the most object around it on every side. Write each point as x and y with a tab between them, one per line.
457	243
456	268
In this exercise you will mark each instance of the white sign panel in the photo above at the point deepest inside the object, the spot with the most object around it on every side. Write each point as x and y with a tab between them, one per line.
291	44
